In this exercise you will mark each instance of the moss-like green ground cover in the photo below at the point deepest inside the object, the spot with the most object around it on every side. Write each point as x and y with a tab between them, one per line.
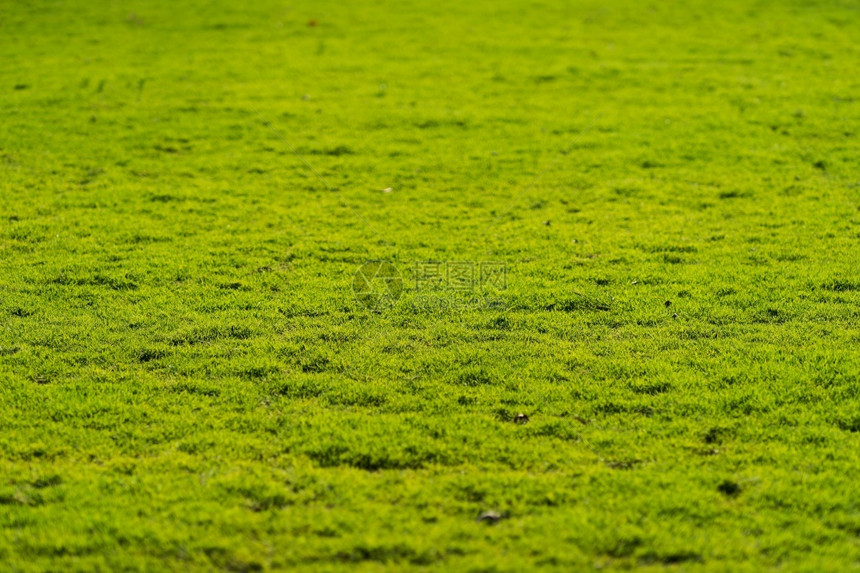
664	197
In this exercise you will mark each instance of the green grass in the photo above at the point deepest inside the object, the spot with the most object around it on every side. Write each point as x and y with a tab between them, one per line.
187	190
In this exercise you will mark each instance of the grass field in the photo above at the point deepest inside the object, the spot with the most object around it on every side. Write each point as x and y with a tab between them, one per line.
619	310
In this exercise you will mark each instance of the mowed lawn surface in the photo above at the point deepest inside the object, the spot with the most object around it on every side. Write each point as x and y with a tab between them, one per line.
188	382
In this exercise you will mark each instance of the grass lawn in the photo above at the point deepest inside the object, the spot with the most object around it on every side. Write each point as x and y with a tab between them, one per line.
617	324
